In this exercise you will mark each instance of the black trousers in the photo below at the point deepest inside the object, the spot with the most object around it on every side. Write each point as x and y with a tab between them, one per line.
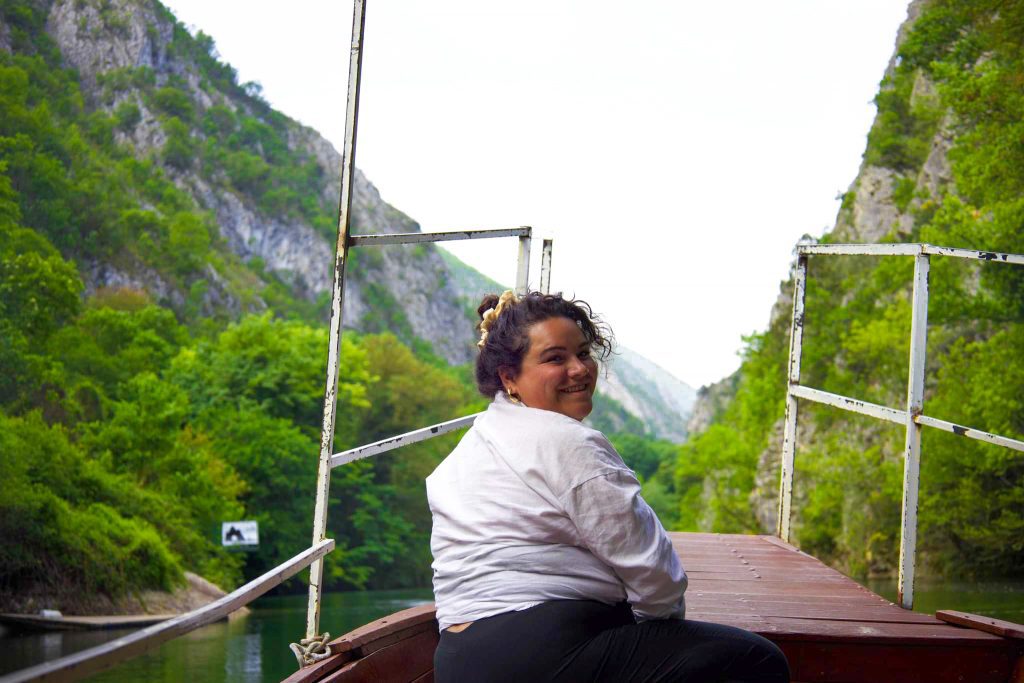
583	640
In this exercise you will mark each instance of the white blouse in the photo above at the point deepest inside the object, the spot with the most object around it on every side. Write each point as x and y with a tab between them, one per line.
533	506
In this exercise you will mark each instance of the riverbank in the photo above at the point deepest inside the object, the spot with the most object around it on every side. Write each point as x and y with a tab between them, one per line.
194	593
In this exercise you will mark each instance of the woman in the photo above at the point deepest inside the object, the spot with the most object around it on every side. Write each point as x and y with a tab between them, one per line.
548	565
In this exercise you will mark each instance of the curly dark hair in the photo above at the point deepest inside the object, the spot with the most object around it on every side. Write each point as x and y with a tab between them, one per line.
508	339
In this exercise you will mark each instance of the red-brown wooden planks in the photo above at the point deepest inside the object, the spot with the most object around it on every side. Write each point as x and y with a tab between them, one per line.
831	628
852	662
1007	629
379	634
404	661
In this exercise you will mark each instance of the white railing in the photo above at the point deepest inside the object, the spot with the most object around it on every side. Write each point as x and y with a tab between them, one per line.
911	417
88	662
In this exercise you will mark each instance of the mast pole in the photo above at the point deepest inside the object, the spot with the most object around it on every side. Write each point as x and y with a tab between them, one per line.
323	481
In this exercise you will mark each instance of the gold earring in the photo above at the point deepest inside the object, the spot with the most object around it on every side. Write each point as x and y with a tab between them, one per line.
511	396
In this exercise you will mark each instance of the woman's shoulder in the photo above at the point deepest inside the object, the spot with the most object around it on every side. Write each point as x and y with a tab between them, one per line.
564	451
526	423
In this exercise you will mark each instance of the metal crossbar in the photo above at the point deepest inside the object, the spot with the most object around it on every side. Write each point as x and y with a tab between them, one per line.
851	404
905	249
393	442
900	416
420	237
912	417
88	662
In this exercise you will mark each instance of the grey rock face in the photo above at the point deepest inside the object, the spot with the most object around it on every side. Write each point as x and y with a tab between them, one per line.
124	34
128	34
137	277
874	214
5	38
710	401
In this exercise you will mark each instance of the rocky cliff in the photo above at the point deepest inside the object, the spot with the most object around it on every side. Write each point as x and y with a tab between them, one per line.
661	401
132	55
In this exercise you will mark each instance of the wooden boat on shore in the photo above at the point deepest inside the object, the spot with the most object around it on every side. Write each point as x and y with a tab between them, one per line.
832	629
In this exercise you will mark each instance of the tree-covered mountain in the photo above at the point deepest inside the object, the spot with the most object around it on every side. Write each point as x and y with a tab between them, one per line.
165	251
944	164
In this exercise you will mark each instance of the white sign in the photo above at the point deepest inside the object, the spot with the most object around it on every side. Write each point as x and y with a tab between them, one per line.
239	533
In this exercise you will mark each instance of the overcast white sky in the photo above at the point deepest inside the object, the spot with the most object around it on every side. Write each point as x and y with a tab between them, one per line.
675	151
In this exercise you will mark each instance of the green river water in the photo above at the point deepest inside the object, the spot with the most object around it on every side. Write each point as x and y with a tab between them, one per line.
254	648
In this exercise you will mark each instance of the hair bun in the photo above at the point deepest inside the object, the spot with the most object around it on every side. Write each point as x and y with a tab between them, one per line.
489	301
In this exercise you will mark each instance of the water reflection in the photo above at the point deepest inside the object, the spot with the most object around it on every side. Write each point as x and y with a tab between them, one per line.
997	599
245	658
246	649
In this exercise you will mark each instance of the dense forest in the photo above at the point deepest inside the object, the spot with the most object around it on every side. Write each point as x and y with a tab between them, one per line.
953	101
134	420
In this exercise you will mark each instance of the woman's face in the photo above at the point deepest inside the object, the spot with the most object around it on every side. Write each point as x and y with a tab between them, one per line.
558	372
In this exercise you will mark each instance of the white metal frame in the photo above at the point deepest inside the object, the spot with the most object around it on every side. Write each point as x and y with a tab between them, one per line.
912	417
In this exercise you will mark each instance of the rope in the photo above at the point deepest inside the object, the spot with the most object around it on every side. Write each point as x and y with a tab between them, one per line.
311	650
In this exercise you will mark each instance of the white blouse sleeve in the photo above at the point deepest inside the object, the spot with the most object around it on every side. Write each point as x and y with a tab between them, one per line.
620	529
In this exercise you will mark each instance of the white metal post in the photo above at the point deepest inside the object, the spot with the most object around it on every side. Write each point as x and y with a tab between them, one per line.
912	448
323	480
523	264
545	266
796	337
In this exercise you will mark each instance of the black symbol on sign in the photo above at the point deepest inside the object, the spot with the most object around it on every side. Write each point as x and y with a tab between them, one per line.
234	535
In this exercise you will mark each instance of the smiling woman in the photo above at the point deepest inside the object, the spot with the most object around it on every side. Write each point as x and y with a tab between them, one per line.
558	372
548	565
539	351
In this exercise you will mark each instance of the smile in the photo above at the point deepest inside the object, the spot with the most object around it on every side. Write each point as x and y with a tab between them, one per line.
574	389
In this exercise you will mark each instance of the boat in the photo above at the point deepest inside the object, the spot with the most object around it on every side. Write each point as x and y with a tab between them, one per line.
831	629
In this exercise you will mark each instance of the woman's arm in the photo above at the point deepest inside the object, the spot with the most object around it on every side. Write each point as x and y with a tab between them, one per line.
620	529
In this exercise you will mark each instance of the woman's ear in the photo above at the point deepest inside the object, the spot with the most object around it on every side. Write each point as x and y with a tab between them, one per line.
508	379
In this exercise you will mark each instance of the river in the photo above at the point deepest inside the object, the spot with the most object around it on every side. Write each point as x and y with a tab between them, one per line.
254	648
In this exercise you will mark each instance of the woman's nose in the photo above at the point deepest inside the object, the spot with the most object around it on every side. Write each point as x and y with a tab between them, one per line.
578	368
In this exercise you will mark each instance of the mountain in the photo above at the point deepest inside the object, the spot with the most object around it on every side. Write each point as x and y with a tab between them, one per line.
942	165
246	171
662	402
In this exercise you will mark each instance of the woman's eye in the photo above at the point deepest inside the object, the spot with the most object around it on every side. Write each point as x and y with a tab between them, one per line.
554	359
584	355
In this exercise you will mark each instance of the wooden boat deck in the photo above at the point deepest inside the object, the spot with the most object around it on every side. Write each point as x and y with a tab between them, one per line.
832	629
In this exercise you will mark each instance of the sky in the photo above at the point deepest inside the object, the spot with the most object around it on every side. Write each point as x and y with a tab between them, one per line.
674	151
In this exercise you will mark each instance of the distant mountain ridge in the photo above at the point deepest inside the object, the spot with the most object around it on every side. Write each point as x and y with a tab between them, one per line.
630	384
660	400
